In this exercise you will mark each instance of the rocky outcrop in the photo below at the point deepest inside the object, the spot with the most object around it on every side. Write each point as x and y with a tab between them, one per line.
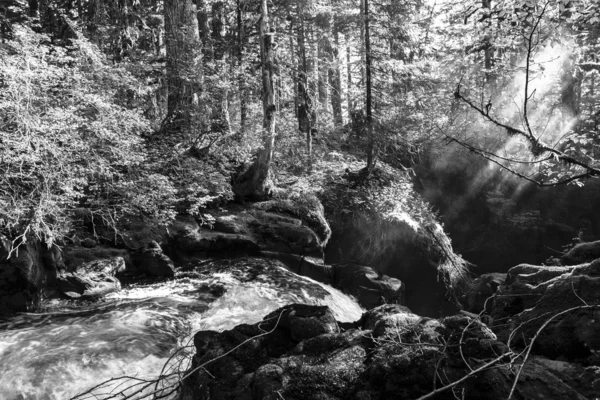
151	261
367	286
25	275
482	288
379	220
91	280
279	226
566	296
582	253
299	352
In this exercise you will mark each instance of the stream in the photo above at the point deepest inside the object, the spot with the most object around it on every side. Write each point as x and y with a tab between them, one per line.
56	355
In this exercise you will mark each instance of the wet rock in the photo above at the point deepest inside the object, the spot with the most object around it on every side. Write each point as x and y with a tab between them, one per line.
188	238
152	261
92	280
263	361
25	275
76	256
310	267
306	322
370	288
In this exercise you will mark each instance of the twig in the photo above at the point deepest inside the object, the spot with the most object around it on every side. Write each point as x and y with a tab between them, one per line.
530	346
464	378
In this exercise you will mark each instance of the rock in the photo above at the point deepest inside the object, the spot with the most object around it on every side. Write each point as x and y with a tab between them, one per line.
249	230
373	316
152	261
75	256
370	288
582	253
188	238
268	379
306	322
263	361
533	274
482	289
25	275
308	209
310	267
92	280
532	295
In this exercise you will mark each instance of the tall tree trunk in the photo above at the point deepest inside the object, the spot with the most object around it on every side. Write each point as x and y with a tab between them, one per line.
294	71
305	104
369	103
335	77
183	77
34	9
488	52
220	109
255	181
324	57
349	67
240	54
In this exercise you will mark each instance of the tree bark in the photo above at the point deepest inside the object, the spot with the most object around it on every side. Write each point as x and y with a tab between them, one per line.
335	77
369	102
183	78
255	182
349	67
305	104
220	109
240	54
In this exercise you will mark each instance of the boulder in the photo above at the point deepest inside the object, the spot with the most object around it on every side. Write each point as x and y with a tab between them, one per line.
152	261
482	289
582	253
391	354
92	280
188	238
532	295
370	288
263	227
76	256
311	267
24	276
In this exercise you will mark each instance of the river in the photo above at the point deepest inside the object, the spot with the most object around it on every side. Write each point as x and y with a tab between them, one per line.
57	354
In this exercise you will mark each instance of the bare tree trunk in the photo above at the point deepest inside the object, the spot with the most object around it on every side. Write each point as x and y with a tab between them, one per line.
305	105
183	72
240	55
294	71
368	68
220	108
335	77
349	67
255	181
489	49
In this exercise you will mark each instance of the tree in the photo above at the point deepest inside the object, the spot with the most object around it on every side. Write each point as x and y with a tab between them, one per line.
561	156
184	83
369	90
255	181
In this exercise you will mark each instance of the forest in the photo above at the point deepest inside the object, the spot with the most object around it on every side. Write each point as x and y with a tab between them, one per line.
299	199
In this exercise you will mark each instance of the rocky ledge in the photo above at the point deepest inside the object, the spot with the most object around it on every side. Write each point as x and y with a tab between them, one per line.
301	352
293	233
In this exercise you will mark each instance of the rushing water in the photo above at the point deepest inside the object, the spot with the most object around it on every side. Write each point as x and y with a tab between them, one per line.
58	354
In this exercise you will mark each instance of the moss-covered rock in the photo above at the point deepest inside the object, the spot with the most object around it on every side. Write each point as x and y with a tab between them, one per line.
533	295
391	353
